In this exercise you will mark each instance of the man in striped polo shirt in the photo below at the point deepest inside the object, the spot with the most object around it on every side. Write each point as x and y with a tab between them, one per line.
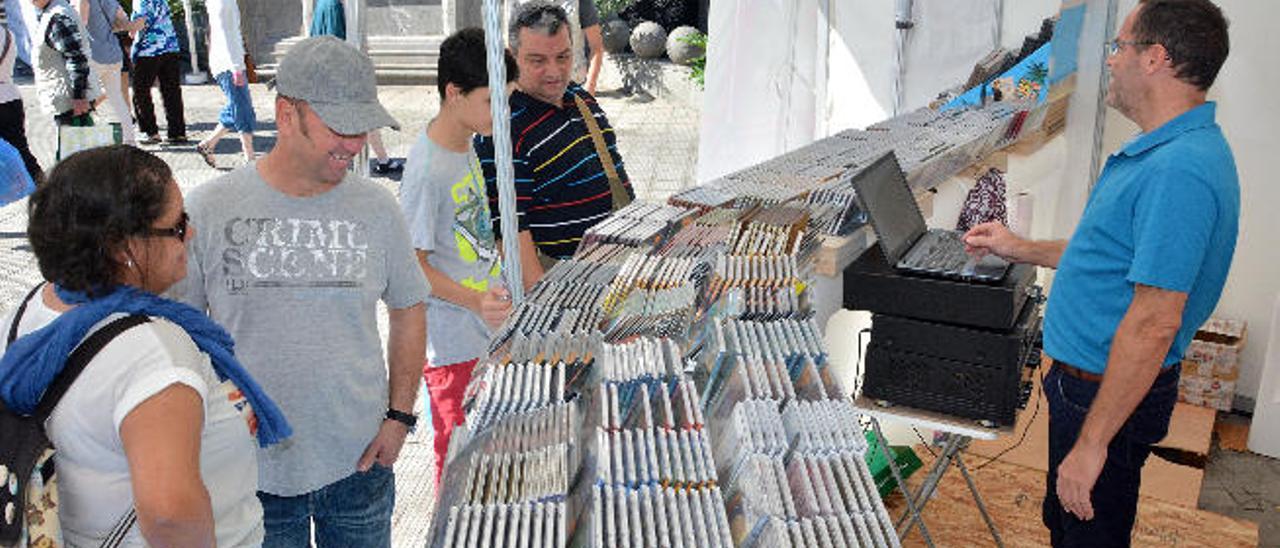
562	185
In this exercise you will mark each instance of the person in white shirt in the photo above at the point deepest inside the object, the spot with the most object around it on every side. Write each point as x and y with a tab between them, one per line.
226	62
162	420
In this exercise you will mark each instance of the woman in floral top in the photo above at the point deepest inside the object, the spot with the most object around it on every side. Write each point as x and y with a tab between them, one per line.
156	57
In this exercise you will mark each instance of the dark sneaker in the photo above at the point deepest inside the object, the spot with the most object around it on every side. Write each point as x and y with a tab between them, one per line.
394	165
179	140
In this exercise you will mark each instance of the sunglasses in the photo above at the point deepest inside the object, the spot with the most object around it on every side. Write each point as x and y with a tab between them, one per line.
178	231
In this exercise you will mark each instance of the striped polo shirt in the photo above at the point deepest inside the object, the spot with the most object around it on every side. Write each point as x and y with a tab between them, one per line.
561	186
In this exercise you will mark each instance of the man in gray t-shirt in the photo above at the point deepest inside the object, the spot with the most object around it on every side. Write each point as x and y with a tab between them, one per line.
292	254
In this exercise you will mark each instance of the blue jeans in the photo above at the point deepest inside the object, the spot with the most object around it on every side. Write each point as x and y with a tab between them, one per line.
1115	495
237	115
353	511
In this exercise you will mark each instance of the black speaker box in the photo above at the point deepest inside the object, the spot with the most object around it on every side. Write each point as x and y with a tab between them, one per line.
960	371
870	283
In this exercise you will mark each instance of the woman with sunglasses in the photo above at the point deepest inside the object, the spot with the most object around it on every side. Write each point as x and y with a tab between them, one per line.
162	420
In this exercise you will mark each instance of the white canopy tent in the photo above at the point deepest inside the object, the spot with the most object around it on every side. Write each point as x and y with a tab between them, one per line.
783	73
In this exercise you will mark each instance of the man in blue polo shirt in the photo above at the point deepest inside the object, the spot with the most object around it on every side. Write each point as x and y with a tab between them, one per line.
1143	270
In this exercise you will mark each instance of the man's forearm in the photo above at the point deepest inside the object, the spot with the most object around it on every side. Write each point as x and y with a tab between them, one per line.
82	8
596	41
1137	353
1045	253
406	353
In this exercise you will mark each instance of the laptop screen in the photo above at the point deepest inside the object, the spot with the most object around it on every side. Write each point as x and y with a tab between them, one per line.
882	190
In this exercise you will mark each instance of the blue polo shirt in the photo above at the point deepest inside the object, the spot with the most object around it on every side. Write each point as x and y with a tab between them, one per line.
1164	213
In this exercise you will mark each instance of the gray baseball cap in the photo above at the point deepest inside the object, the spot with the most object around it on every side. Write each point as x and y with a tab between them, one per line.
337	81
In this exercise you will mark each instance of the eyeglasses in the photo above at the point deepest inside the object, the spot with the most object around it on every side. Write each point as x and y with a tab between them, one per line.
1113	46
178	231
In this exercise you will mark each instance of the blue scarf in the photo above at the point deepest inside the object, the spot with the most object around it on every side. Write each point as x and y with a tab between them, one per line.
30	364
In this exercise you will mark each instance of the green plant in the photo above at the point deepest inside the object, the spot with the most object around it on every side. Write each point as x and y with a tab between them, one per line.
609	8
175	7
177	11
699	63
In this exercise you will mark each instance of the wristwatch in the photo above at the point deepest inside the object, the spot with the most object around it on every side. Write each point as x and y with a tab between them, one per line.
408	419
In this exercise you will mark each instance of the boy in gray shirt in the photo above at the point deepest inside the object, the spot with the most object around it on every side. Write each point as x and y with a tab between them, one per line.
442	194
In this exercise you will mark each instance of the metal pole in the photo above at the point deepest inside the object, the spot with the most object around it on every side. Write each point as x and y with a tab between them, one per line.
493	41
1100	117
977	498
903	23
353	11
196	76
912	508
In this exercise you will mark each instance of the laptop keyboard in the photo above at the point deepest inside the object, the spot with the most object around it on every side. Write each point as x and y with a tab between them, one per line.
938	251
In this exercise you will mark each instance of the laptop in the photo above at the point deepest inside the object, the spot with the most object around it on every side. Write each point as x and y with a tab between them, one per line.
907	243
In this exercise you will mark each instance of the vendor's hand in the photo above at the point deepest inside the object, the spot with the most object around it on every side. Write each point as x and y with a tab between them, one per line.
1076	477
495	306
385	447
79	106
238	78
992	237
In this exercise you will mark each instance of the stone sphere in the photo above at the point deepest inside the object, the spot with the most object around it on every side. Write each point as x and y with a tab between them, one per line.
681	51
648	40
616	34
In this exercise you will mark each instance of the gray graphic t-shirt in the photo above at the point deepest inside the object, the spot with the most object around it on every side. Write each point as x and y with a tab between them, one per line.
296	281
443	198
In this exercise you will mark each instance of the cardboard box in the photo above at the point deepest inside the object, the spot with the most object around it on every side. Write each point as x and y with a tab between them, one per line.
1212	364
1207	391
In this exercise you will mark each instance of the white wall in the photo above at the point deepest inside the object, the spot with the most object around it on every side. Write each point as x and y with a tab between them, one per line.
851	83
1248	114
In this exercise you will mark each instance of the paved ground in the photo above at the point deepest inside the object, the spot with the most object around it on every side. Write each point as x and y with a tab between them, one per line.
658	140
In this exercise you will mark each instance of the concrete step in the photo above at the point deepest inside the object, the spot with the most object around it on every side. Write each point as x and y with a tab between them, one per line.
399	75
398	60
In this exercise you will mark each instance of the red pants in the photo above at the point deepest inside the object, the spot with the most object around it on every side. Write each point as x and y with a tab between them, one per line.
445	386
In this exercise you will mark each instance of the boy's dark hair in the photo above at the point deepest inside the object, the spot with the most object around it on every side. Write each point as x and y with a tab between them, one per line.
1194	32
463	62
91	203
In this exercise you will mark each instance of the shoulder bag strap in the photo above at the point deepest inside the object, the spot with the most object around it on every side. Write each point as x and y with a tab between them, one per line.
619	192
8	42
80	358
116	536
17	316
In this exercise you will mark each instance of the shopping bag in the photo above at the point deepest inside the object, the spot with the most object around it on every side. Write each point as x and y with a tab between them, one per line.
82	133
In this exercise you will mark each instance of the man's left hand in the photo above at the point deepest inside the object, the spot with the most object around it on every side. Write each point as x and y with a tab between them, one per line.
79	106
385	447
1076	476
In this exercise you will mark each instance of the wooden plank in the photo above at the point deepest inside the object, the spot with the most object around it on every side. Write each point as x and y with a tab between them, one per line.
1013	495
1233	435
1190	429
838	252
1172	483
